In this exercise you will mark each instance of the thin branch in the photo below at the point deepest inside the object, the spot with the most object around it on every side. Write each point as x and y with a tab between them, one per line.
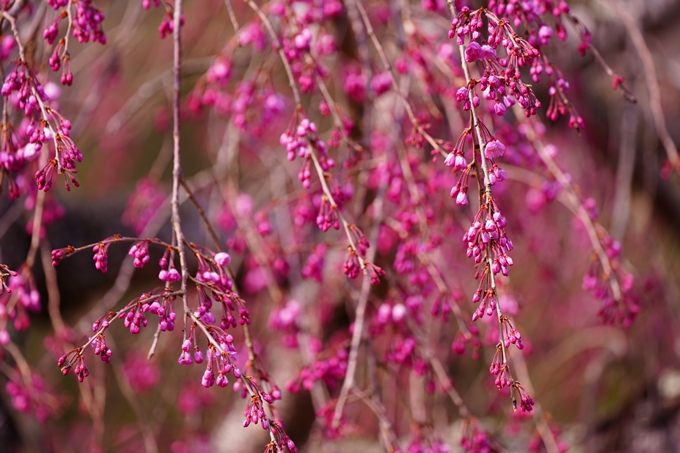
201	213
154	344
651	80
124	277
232	16
360	312
312	146
393	78
145	428
486	199
148	89
572	198
53	295
378	410
537	413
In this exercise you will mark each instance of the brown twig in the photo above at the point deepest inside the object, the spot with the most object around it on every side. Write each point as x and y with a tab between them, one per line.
651	79
145	428
360	312
393	78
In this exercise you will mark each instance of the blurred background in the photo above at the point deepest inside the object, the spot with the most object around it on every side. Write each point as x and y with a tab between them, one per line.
603	388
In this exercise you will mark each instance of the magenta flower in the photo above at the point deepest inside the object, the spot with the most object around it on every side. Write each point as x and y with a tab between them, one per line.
222	259
494	149
381	83
544	34
473	52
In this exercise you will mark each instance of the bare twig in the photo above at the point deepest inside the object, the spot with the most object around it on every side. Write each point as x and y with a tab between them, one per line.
150	88
145	428
624	172
651	79
360	312
395	85
232	15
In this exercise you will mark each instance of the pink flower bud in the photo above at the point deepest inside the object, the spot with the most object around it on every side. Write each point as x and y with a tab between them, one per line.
303	38
461	198
461	94
544	35
473	52
173	276
487	52
398	312
223	259
494	149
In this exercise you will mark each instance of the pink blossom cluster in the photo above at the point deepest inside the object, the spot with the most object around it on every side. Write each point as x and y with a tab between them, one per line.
334	119
20	296
328	367
28	394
